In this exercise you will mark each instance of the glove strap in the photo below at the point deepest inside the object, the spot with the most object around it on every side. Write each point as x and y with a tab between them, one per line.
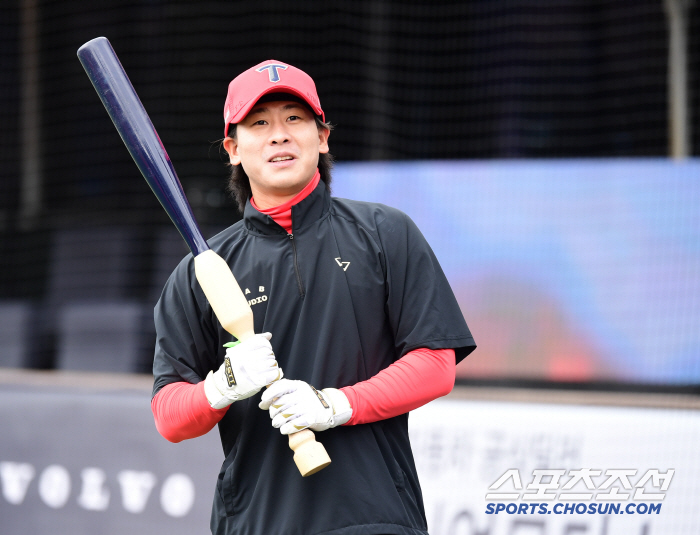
215	398
342	411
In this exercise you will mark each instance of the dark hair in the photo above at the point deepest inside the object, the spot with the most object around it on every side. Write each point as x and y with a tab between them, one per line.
239	183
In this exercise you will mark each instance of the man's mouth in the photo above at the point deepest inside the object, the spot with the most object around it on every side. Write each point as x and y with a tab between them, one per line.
282	158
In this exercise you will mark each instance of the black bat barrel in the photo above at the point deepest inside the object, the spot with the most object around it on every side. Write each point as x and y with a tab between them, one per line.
139	135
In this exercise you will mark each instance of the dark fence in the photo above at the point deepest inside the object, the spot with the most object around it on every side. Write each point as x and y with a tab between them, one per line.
401	81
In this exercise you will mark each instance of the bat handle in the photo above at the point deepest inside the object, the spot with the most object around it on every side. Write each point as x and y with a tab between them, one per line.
310	456
233	312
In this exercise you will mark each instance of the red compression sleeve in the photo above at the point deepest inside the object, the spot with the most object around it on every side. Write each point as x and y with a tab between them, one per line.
418	377
181	411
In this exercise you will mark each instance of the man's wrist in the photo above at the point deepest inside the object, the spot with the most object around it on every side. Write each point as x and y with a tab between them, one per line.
216	399
342	411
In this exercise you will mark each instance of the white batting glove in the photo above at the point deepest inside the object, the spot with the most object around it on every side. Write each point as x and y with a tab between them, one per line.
248	366
296	405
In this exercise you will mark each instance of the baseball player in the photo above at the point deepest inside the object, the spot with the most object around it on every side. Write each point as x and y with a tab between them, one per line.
364	326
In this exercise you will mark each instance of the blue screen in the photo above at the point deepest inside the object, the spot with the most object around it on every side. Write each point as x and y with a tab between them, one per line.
566	270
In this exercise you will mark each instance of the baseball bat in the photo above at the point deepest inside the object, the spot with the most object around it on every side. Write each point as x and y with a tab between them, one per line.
213	273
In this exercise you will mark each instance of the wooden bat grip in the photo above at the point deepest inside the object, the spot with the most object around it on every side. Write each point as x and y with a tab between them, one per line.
236	317
224	294
310	456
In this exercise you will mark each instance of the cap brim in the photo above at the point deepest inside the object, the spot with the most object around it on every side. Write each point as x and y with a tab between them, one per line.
243	111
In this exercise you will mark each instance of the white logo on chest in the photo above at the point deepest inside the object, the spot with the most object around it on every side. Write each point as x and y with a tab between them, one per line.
342	264
256	300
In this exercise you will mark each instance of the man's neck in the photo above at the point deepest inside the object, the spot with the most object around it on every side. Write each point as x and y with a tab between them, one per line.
265	200
282	213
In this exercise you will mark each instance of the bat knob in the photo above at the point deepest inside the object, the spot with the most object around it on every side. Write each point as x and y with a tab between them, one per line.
310	456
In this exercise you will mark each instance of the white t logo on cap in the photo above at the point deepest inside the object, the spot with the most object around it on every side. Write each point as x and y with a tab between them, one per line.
272	71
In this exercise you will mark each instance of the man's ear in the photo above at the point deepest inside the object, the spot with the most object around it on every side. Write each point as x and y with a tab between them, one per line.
323	134
231	146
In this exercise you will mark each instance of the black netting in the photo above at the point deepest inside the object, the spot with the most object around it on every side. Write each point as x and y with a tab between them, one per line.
400	80
473	79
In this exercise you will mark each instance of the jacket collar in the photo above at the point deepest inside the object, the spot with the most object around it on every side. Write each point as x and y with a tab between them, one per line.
305	212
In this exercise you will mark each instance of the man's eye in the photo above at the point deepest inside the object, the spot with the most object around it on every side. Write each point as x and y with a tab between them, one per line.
293	117
260	122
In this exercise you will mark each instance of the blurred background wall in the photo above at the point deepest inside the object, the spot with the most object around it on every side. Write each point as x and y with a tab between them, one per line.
477	81
546	149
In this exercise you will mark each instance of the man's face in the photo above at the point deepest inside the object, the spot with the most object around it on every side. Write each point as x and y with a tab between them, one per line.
278	144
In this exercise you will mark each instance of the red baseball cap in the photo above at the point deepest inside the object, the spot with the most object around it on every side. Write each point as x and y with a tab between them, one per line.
270	76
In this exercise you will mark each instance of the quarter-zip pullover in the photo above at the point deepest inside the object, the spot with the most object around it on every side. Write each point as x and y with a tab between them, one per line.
372	291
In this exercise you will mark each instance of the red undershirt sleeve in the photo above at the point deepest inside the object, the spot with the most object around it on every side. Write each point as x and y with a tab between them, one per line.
417	378
181	411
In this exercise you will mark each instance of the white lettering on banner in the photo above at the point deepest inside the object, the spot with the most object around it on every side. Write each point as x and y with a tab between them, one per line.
623	477
15	478
660	480
93	495
656	481
498	449
54	486
177	495
461	447
513	474
136	488
543	486
585	475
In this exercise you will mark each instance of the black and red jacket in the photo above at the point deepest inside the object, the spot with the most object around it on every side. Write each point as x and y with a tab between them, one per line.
351	290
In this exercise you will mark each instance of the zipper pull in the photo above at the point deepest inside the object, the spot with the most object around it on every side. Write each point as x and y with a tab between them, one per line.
291	236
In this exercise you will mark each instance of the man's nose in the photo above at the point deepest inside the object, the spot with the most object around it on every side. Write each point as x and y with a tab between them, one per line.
279	135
